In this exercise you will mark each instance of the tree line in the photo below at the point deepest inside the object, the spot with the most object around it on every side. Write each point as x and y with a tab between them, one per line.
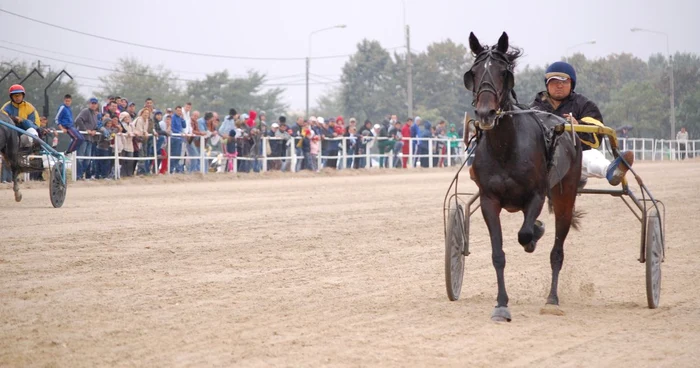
628	90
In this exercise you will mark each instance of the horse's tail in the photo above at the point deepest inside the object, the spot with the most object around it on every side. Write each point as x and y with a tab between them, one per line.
576	216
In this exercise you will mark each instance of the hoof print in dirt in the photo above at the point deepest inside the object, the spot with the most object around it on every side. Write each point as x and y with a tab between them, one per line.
552	310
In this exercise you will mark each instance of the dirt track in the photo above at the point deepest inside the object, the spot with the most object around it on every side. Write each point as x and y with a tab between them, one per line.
329	270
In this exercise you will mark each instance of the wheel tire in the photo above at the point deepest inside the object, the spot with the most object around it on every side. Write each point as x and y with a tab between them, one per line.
57	186
454	252
654	248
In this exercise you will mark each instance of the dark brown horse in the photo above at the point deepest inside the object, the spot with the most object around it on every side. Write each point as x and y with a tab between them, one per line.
513	167
9	149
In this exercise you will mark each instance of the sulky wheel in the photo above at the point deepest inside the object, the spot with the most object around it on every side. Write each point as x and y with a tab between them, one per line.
454	252
654	245
57	185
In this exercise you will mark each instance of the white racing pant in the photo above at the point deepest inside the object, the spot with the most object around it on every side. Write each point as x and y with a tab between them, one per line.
25	140
594	164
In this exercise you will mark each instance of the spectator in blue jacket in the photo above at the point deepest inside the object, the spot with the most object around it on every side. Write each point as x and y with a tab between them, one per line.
333	145
64	119
87	122
423	145
177	126
415	130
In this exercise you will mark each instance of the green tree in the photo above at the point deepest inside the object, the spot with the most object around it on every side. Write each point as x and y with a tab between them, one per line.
136	82
598	79
637	104
688	114
438	80
369	83
433	115
219	92
329	104
528	82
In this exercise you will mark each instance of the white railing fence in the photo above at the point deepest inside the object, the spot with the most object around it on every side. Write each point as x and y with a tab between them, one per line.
173	154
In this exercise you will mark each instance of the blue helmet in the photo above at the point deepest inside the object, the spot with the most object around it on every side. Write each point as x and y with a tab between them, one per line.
559	70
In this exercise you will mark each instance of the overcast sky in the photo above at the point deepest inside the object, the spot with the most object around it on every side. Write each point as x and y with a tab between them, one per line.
275	28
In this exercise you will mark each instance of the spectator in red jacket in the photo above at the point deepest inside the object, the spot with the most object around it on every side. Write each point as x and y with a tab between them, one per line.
406	132
340	126
250	122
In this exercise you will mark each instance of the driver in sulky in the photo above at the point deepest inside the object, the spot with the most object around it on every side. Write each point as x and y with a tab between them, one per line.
23	114
560	99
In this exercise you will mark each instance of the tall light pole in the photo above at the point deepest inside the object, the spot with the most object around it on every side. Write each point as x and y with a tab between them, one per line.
670	68
566	55
308	61
409	64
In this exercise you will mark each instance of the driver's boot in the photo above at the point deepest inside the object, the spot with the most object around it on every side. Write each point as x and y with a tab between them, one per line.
618	168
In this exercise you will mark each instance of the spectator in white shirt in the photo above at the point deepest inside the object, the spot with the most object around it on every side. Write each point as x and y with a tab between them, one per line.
682	138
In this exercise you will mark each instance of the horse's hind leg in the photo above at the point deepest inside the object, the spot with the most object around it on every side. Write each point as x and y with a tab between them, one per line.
530	233
563	203
15	186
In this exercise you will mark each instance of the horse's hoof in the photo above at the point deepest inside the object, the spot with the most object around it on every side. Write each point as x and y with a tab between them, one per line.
539	230
530	247
18	197
501	314
552	310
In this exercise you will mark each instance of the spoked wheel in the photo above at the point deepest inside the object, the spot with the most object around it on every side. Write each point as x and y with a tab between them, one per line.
654	256
457	236
57	185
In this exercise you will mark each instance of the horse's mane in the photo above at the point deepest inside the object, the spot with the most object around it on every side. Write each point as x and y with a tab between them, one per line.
512	54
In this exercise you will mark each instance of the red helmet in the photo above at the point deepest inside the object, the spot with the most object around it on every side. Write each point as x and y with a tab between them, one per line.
16	88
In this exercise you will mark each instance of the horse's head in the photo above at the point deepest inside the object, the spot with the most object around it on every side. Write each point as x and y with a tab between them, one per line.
491	78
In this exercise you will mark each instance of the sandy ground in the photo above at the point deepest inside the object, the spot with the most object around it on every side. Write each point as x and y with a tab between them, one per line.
306	270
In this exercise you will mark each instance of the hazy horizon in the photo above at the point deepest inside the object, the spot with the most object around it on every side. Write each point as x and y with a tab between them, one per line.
546	30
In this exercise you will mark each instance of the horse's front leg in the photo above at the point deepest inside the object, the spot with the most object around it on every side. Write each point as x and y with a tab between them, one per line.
491	210
530	233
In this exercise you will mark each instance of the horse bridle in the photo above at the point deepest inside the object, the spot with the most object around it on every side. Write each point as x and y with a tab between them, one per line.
486	84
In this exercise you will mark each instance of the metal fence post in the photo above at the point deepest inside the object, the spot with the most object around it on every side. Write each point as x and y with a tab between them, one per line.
265	141
448	161
155	154
168	160
430	153
202	168
116	156
344	155
293	154
367	156
74	166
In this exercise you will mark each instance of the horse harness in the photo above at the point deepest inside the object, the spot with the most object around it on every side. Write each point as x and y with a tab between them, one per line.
487	84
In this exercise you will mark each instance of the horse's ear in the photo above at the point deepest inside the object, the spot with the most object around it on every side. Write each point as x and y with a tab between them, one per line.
469	80
503	43
474	44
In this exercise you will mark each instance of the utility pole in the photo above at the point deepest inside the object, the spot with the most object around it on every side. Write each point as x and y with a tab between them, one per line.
308	60
409	72
673	95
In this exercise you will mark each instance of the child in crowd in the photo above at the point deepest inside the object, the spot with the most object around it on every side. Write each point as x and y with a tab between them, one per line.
314	148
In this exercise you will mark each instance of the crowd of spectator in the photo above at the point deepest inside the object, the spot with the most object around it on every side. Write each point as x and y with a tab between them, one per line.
176	136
